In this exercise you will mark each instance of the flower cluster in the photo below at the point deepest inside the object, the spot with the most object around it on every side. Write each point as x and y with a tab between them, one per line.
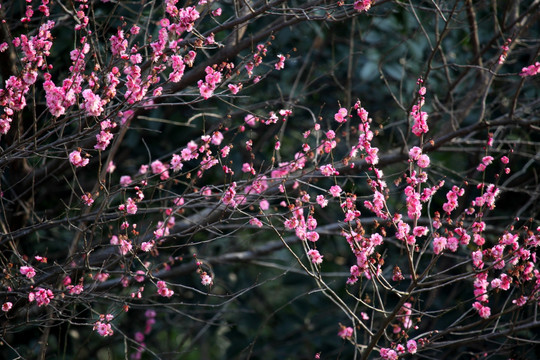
163	290
41	296
103	326
419	117
531	70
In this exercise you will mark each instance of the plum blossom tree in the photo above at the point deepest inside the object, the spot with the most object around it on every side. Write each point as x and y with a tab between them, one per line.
194	179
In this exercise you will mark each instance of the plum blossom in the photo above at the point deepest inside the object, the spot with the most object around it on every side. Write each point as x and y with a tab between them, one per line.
118	44
255	222
452	197
264	204
206	279
345	332
530	70
281	62
87	199
335	190
28	271
41	296
420	121
176	163
362	5
103	328
315	256
178	67
411	346
234	88
321	201
312	236
483	311
103	140
520	301
131	206
76	159
328	170
388	354
439	244
419	117
92	103
341	115
423	161
7	306
163	290
415	153
146	246
477	259
420	231
125	180
159	168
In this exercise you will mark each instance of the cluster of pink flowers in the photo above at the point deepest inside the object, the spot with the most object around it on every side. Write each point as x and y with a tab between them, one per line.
163	290
315	256
130	206
256	222
60	98
483	310
119	44
420	117
328	170
235	88
488	197
345	332
139	336
8	305
452	197
76	159
335	190
363	5
161	169
404	316
257	60
73	289
35	51
178	67
206	279
391	354
41	296
377	205
531	70
28	271
341	115
208	86
281	62
187	17
92	103
363	248
364	140
163	229
123	242
504	51
103	326
486	160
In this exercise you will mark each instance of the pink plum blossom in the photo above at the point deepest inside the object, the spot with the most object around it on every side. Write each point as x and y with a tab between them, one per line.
76	159
315	256
341	115
28	271
335	190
